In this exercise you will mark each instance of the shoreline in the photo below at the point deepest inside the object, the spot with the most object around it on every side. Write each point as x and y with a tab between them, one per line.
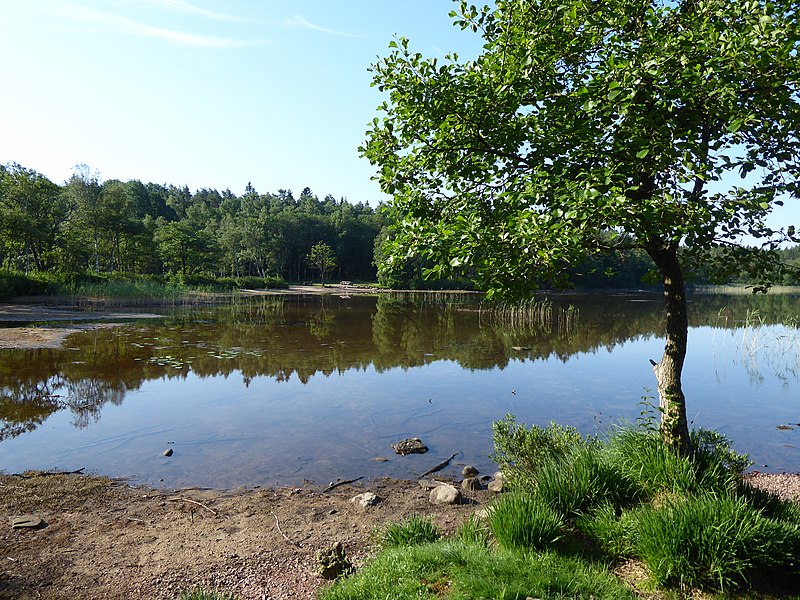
100	538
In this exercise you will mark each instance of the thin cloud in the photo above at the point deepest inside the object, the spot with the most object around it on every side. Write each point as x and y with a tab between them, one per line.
188	8
300	22
120	24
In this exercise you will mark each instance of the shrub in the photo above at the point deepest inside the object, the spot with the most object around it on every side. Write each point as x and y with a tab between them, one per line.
520	451
523	520
713	541
417	530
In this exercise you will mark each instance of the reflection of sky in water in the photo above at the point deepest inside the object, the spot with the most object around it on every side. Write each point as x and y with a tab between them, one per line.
225	433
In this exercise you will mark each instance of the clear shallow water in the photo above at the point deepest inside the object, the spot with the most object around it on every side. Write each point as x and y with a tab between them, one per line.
275	391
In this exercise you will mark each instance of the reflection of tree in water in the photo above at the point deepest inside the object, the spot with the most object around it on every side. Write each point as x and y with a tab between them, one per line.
86	398
27	405
25	408
281	339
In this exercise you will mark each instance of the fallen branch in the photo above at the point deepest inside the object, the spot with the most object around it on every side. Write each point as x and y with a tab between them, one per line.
338	483
278	525
440	466
211	510
46	473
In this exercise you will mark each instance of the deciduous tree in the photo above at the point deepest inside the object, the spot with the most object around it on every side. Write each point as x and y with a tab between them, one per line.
651	124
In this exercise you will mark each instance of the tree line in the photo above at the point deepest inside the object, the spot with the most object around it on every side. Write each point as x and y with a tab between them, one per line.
87	225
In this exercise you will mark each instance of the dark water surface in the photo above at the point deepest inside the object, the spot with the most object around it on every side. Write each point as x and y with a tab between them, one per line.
277	390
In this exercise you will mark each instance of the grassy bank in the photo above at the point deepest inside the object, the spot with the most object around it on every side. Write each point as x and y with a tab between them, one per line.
581	512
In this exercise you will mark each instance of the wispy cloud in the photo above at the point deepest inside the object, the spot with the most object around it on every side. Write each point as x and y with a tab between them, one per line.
188	8
300	22
124	25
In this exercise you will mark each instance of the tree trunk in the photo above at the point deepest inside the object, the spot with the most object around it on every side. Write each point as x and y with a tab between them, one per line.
672	402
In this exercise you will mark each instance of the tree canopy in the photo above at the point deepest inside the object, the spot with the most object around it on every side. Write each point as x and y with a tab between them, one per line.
668	126
101	227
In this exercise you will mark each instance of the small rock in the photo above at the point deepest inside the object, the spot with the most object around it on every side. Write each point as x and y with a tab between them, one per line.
445	494
410	446
484	513
333	563
167	452
498	484
471	484
469	471
26	522
365	500
428	484
380	459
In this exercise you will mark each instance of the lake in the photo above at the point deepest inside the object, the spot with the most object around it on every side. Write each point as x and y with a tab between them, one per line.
282	390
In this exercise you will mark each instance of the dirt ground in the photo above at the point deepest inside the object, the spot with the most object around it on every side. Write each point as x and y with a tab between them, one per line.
101	538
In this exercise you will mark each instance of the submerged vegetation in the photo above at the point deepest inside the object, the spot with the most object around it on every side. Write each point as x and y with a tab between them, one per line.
578	506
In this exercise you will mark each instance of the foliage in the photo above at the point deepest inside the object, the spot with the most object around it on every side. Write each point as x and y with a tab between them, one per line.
323	259
103	227
520	451
416	530
583	129
524	520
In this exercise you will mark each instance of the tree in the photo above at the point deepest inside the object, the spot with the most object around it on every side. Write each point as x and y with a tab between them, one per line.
585	126
323	259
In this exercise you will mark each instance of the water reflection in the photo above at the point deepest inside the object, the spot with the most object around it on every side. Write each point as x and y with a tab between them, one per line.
290	341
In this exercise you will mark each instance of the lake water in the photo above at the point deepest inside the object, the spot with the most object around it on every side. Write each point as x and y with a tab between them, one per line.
278	390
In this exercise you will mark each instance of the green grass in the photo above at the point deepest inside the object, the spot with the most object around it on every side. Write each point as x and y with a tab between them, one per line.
416	530
578	505
460	571
523	520
712	541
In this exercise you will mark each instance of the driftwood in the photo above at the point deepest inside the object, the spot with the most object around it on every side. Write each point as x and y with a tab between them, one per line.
211	510
440	466
46	473
278	525
338	483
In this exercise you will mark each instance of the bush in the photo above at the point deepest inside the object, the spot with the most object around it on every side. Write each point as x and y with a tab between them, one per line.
417	530
520	451
523	520
713	541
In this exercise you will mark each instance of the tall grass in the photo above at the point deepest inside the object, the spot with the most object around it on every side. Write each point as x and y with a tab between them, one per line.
415	531
714	541
523	520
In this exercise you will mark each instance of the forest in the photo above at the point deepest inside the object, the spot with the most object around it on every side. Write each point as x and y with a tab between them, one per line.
93	227
87	228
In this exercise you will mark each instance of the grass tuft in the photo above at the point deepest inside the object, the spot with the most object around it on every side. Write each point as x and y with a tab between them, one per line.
415	531
524	520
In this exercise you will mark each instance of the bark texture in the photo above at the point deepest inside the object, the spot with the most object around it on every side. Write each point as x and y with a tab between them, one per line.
672	402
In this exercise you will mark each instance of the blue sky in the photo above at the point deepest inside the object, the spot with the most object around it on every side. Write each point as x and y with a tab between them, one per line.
209	93
206	93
